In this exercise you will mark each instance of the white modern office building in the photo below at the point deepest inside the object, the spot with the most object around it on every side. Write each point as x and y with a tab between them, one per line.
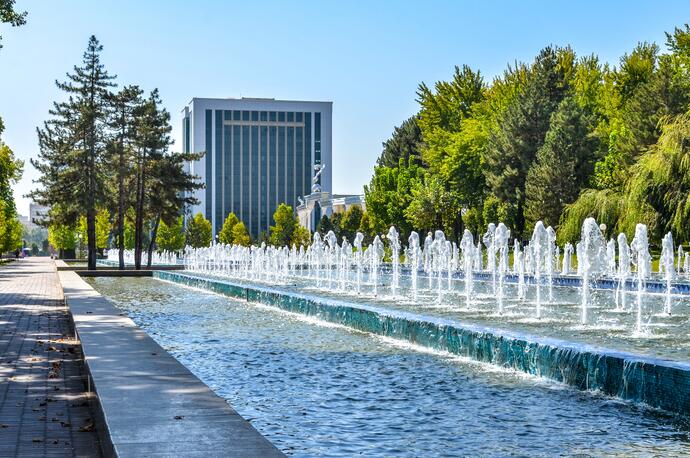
259	154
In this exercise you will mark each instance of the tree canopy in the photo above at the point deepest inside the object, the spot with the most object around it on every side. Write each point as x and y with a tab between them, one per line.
558	139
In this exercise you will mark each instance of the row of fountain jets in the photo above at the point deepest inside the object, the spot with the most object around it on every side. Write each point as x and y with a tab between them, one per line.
339	266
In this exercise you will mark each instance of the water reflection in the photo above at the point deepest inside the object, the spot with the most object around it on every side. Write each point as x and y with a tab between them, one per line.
325	390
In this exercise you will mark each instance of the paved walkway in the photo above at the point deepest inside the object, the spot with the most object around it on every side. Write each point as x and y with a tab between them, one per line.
44	408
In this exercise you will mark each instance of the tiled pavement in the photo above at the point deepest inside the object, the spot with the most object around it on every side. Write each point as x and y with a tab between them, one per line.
44	407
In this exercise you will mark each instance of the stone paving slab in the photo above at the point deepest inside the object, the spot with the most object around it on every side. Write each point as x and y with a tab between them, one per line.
150	404
44	405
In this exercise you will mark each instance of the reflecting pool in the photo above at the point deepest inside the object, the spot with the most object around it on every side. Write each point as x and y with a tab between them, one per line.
318	389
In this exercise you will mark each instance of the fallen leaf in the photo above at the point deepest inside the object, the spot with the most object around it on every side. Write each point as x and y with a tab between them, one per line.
88	427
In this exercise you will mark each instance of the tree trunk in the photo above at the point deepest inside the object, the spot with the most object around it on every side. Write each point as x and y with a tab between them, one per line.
91	237
154	233
139	220
121	209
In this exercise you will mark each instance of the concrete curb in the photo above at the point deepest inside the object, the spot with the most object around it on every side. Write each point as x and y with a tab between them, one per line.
149	403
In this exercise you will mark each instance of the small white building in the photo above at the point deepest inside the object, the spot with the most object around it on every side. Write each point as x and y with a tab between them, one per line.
319	203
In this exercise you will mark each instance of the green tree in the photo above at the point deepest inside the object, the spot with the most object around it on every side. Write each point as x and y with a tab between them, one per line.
199	231
522	127
168	192
301	236
563	166
171	237
151	142
324	225
10	16
337	221
285	224
432	206
62	237
351	221
366	229
450	102
123	111
240	235
388	194
103	226
72	145
405	143
225	234
10	173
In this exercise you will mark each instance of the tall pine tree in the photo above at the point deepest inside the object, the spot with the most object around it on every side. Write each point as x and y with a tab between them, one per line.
512	148
123	105
72	157
563	165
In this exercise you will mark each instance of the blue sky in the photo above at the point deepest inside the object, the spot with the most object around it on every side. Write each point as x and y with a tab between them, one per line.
367	57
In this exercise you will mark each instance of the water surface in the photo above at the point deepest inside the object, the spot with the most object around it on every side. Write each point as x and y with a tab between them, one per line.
318	389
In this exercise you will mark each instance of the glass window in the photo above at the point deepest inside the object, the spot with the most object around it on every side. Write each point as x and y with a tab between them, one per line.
237	170
273	170
227	170
255	115
263	116
290	116
298	116
245	116
281	116
272	116
290	196
218	182
209	164
263	182
245	175
317	139
299	161
282	172
307	153
254	190
236	115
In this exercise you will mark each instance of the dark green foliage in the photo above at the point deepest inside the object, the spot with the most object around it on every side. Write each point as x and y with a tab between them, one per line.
198	231
349	225
324	225
9	15
73	145
563	166
512	148
406	142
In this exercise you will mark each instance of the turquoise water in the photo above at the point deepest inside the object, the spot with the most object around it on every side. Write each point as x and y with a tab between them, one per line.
324	390
664	336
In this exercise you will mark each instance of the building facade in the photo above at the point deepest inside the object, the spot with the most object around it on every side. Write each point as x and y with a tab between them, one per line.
317	204
259	153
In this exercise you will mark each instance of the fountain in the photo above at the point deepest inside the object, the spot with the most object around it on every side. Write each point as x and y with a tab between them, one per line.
567	259
500	242
592	258
359	255
666	267
394	241
623	272
489	240
375	252
643	262
413	260
538	249
467	248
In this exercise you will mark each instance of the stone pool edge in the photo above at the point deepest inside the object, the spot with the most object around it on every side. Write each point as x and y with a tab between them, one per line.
659	383
146	401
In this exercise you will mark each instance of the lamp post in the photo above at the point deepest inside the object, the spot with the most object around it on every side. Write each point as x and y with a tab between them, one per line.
81	250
